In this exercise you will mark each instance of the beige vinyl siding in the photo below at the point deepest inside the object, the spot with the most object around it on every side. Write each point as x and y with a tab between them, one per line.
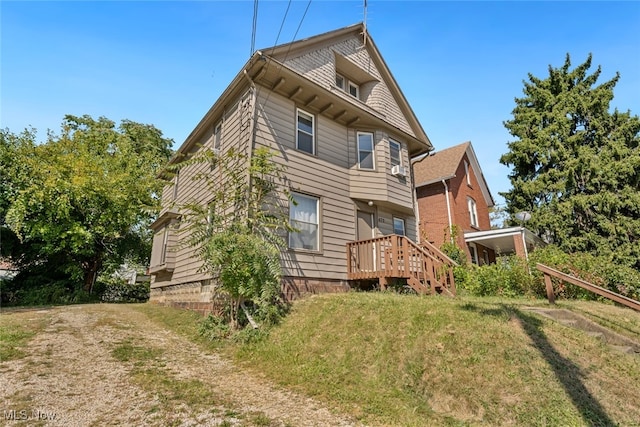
319	65
385	223
379	184
324	175
190	190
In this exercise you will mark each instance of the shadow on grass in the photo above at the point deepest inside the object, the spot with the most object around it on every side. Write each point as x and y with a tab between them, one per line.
567	372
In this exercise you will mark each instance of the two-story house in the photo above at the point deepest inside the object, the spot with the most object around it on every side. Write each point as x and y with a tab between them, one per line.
334	114
454	201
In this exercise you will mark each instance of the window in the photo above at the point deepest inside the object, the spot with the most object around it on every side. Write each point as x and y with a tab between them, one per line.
217	138
466	173
305	134
398	226
176	180
354	90
165	244
473	251
303	216
473	212
485	255
365	150
394	151
348	86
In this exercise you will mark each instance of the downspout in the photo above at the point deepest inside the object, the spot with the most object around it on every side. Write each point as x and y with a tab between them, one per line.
446	193
416	208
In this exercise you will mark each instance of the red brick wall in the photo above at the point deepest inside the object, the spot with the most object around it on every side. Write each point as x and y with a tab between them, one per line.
432	206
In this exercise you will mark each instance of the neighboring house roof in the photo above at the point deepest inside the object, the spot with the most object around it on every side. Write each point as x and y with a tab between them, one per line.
443	164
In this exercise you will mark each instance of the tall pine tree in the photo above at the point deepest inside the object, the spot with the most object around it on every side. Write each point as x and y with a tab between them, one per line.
576	165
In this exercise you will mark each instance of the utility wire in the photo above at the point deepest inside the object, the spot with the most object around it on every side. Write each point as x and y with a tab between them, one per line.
255	25
290	43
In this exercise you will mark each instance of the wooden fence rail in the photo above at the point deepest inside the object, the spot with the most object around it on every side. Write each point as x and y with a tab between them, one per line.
549	272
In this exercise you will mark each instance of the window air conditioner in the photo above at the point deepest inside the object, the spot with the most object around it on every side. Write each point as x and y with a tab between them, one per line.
398	170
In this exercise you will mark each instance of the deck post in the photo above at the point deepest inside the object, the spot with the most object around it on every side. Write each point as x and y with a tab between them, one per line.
394	256
549	286
383	282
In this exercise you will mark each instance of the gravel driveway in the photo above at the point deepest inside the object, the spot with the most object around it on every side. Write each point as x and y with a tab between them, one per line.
71	376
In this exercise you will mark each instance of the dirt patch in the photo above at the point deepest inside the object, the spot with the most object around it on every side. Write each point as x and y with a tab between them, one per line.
70	377
574	320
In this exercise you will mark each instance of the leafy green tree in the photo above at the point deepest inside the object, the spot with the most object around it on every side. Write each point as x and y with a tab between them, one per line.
576	165
239	233
82	199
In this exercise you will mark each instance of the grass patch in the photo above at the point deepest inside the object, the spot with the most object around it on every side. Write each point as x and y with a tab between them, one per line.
126	351
401	360
15	332
183	322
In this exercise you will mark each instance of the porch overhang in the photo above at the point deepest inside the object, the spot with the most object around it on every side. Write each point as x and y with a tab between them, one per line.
502	240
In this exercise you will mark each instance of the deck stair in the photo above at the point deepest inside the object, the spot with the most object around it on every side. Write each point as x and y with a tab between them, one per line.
425	268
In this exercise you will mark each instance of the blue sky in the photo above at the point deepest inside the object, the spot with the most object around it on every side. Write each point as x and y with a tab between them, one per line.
460	64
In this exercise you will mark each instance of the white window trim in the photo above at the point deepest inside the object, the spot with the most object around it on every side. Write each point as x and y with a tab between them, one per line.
392	142
313	131
165	245
317	224
473	251
466	173
217	137
176	182
373	150
473	212
347	85
357	88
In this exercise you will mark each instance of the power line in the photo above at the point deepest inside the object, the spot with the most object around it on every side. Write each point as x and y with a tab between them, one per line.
255	25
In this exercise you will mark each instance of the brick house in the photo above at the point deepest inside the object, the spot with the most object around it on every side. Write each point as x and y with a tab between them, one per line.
452	193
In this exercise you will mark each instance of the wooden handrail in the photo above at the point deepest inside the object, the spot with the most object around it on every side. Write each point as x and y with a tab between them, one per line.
549	272
396	256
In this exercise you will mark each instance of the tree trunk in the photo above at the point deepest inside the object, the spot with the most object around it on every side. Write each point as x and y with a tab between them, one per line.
91	274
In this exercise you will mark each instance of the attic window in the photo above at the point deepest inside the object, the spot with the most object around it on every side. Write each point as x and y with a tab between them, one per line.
466	173
348	86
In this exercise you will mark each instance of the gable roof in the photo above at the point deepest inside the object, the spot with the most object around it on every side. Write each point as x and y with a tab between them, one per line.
257	70
442	165
281	52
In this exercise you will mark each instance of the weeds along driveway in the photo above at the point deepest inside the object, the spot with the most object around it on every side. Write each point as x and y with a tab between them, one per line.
110	365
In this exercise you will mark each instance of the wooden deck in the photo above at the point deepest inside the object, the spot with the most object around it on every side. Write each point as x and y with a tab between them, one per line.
425	268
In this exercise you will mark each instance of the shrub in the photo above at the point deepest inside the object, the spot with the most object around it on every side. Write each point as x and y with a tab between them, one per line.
509	277
598	270
118	290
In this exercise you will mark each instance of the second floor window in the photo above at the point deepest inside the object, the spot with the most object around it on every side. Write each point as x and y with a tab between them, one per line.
394	152
217	138
305	135
365	150
176	181
473	212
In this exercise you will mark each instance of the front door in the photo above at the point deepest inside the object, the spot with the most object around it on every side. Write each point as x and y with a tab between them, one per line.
366	252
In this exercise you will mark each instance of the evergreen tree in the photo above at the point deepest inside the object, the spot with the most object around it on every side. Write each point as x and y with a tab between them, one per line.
576	165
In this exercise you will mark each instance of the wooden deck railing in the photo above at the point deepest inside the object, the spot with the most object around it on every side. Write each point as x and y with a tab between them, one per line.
425	268
550	272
